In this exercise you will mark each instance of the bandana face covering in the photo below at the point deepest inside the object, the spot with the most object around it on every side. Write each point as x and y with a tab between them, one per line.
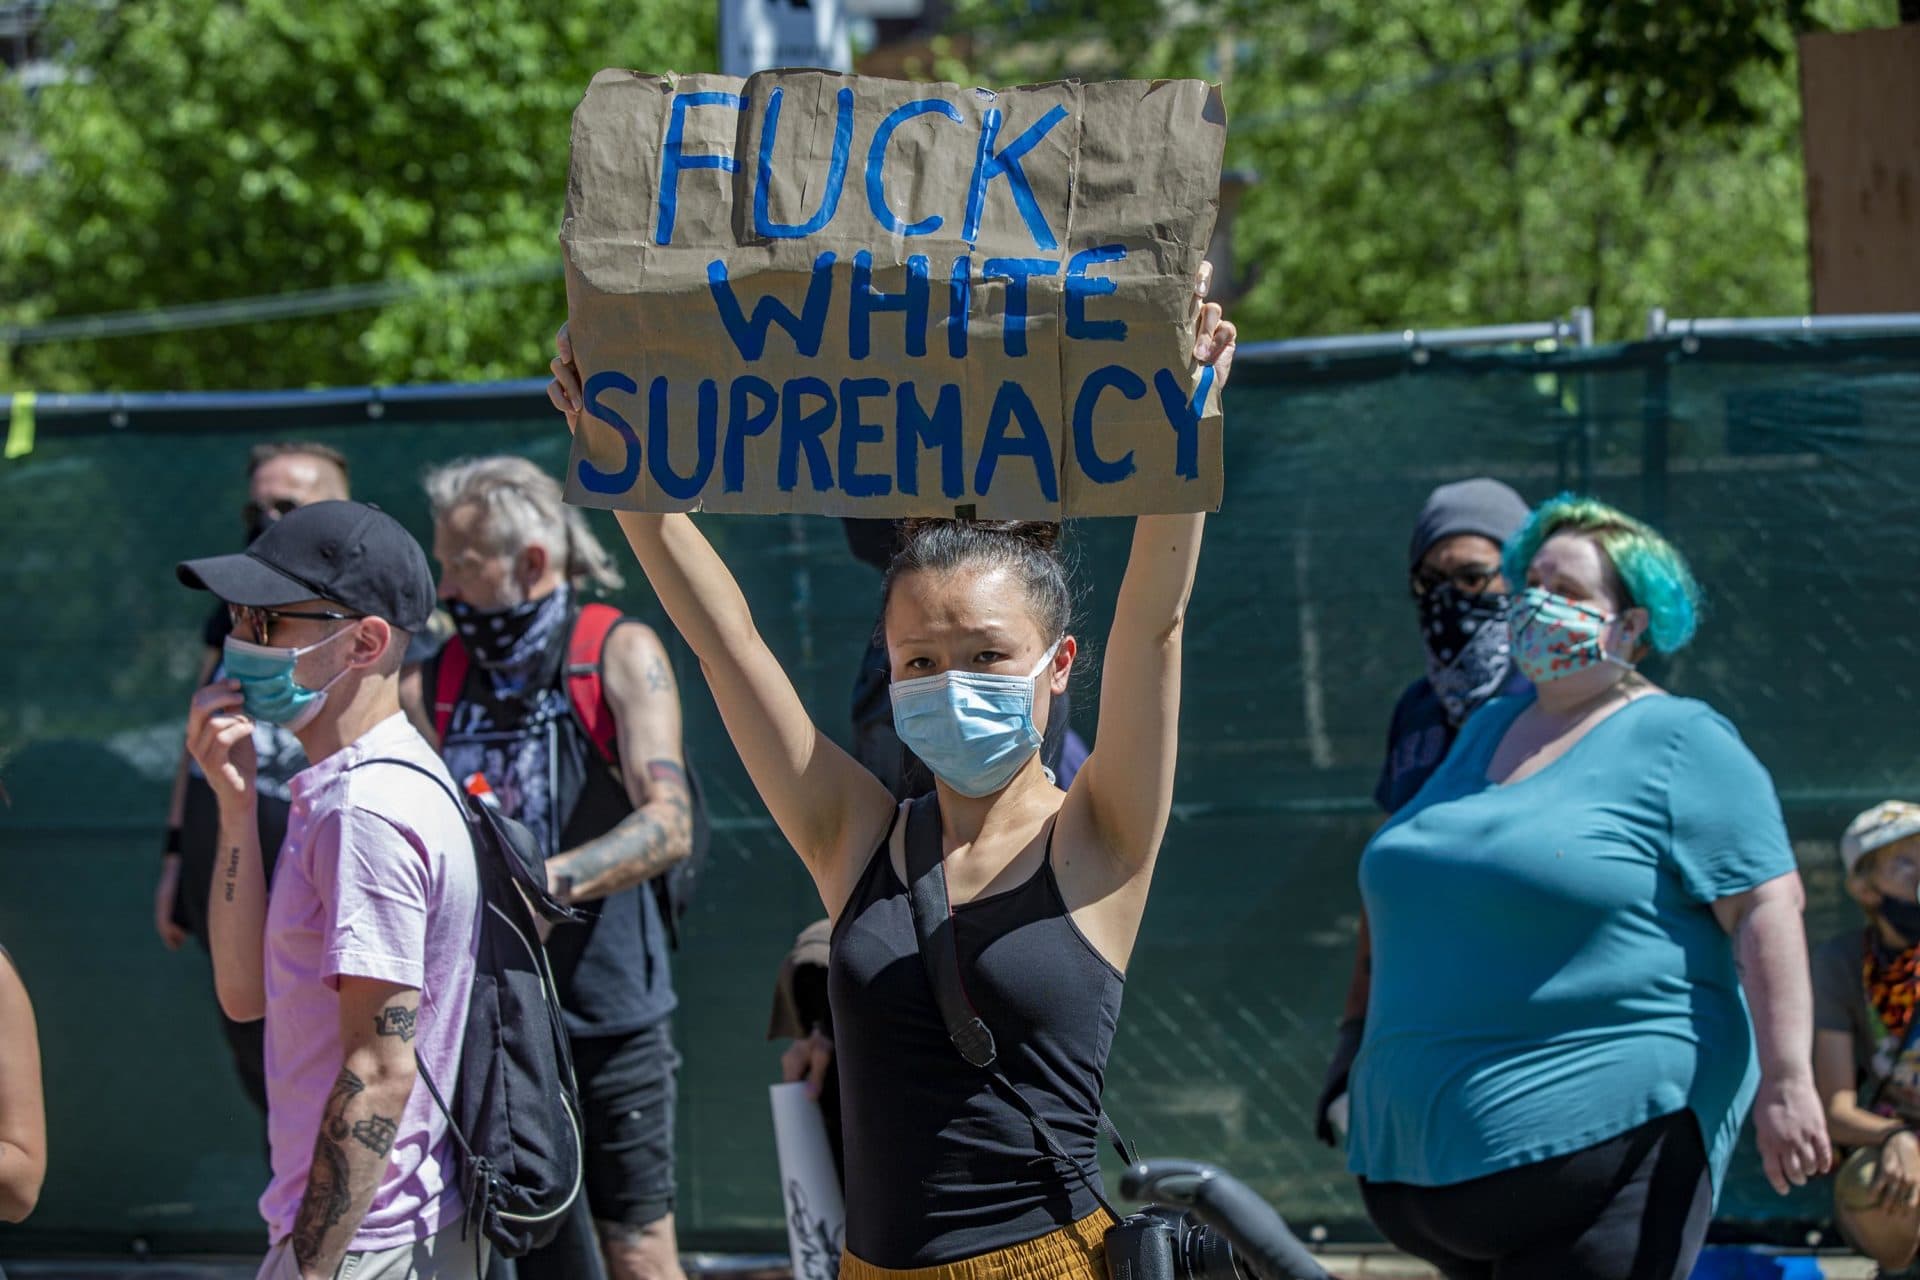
511	642
1469	652
973	729
265	673
1555	637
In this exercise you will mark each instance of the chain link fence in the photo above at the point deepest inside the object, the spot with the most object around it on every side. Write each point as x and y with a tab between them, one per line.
1788	470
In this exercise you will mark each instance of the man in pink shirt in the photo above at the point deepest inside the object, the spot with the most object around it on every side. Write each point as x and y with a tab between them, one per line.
362	952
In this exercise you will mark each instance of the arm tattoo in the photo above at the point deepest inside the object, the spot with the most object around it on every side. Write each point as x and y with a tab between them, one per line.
396	1020
667	771
348	1087
233	870
638	843
644	844
656	676
328	1194
667	775
375	1133
638	849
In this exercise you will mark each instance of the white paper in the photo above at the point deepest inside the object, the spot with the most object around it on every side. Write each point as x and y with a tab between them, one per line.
816	1212
1338	1115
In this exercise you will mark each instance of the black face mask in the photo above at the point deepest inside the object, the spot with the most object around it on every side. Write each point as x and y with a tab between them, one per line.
512	636
1468	651
1903	914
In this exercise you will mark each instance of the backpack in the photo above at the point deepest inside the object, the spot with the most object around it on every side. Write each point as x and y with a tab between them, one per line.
515	1110
586	697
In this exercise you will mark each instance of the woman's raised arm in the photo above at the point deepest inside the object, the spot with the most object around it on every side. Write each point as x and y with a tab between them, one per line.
833	811
23	1111
1129	777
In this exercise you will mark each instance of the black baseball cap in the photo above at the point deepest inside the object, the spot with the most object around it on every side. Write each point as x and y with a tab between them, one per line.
351	553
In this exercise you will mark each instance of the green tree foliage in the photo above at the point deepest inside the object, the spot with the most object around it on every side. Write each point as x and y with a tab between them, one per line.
1648	70
213	149
1421	163
1424	163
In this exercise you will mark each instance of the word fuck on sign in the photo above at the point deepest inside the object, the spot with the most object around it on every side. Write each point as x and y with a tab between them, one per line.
806	291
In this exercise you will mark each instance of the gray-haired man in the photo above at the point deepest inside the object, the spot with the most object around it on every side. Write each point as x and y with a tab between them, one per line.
571	713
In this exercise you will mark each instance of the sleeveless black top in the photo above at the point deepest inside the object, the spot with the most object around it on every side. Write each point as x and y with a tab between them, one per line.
940	1166
611	971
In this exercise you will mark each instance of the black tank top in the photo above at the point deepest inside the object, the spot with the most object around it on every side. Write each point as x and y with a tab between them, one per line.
611	972
940	1166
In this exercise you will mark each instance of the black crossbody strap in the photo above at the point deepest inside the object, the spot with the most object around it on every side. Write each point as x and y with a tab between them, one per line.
1129	1154
940	953
933	922
426	1077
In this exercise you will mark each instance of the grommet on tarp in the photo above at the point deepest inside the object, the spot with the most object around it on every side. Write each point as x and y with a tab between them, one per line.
20	425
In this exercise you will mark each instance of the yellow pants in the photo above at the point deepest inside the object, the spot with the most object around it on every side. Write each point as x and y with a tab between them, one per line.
1076	1252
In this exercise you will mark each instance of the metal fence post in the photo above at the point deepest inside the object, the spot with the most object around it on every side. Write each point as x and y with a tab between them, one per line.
1580	319
1656	418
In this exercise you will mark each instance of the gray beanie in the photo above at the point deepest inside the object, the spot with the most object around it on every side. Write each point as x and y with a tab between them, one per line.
1480	506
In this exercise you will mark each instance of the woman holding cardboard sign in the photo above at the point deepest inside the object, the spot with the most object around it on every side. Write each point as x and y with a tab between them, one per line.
1047	887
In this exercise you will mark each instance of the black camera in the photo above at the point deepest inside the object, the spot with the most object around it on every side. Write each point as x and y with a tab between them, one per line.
1166	1244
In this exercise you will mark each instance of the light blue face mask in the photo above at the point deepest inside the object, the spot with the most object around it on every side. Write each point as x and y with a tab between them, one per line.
974	729
266	681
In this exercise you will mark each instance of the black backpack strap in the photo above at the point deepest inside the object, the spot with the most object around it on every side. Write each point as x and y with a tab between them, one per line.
940	953
453	1126
421	769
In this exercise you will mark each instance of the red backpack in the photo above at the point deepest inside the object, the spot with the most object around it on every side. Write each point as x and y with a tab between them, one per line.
586	696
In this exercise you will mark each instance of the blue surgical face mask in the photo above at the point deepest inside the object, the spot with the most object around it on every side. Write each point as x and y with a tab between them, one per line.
265	673
973	729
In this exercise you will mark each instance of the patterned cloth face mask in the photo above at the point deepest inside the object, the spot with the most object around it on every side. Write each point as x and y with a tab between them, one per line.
1555	637
974	729
512	642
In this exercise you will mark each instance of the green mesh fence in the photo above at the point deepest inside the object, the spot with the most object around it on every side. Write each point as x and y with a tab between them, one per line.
1789	472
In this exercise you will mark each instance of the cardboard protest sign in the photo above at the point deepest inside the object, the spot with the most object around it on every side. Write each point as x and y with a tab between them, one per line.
806	291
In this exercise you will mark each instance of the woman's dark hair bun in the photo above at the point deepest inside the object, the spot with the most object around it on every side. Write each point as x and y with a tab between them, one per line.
1041	535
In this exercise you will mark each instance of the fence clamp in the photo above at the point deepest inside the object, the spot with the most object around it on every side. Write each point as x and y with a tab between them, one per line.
20	425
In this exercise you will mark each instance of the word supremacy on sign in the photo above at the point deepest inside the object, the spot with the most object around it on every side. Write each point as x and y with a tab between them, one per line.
805	291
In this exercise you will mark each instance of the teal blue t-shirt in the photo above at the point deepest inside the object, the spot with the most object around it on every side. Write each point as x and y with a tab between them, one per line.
1547	969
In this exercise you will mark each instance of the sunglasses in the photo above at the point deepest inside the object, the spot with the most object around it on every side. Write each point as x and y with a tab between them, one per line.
250	619
1469	579
261	514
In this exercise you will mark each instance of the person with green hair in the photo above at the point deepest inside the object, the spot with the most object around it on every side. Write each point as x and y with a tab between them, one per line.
1558	1056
